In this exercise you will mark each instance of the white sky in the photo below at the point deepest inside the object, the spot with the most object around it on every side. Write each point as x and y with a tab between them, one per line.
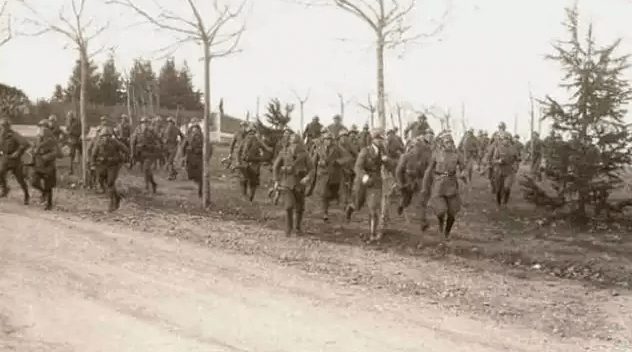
490	51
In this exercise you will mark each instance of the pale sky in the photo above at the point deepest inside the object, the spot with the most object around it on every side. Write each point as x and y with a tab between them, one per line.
489	53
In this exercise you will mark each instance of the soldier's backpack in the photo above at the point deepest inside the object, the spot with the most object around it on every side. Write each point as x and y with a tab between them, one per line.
505	151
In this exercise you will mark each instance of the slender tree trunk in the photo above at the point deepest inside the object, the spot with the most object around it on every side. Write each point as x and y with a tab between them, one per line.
206	185
83	53
381	94
300	132
129	104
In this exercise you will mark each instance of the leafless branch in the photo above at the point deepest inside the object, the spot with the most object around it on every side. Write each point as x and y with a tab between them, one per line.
301	99
194	29
75	28
6	32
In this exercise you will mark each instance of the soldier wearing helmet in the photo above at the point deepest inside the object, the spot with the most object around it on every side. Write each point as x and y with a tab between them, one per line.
292	172
410	169
171	138
108	155
330	159
45	153
368	182
193	153
336	127
73	130
250	155
12	147
313	131
440	184
146	148
235	143
469	148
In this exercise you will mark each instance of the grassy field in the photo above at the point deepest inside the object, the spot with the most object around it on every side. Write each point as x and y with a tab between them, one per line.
513	237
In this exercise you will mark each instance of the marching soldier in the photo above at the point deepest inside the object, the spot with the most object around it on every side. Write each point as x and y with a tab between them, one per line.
171	136
348	142
312	131
364	138
45	154
469	149
336	127
108	155
55	128
330	160
193	152
250	155
292	171
410	170
440	183
12	147
146	146
534	152
74	138
368	182
235	143
483	143
123	130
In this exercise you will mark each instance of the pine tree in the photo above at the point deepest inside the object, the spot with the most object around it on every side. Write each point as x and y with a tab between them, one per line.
74	83
190	98
13	103
58	94
278	116
110	86
169	83
590	140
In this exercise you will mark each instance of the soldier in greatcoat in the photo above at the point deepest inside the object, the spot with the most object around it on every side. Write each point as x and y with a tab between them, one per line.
292	171
108	156
45	152
12	147
146	147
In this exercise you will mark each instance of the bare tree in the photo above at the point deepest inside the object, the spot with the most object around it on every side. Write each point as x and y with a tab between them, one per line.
6	32
343	104
216	40
391	22
79	30
370	107
302	102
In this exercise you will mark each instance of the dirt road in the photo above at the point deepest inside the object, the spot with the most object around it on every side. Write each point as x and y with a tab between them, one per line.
68	284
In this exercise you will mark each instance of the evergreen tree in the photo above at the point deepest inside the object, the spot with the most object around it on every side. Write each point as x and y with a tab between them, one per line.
110	88
189	98
591	139
144	84
74	83
278	116
169	83
58	94
14	103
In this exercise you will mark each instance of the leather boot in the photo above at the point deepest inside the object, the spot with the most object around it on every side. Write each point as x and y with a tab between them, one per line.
299	220
289	222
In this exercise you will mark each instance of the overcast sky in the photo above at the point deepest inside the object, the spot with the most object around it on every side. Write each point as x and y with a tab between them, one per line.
487	56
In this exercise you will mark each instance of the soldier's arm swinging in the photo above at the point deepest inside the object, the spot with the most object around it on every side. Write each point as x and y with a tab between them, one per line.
428	175
23	145
400	170
359	164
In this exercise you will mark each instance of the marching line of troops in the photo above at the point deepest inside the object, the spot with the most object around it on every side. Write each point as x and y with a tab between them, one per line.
354	168
153	143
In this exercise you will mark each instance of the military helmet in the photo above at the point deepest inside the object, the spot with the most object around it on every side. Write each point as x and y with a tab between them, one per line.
53	117
366	127
327	135
251	128
343	132
315	118
337	117
502	125
5	122
377	133
104	118
144	119
171	119
44	123
354	128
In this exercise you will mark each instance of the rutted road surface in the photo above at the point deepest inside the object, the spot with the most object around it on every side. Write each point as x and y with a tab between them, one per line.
68	284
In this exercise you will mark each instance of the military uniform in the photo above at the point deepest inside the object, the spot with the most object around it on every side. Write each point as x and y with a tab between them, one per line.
74	139
410	170
236	142
336	127
502	160
469	149
534	150
368	182
348	142
440	183
170	137
250	154
45	154
364	138
193	152
417	128
312	131
123	130
292	171
330	161
108	156
146	147
12	147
